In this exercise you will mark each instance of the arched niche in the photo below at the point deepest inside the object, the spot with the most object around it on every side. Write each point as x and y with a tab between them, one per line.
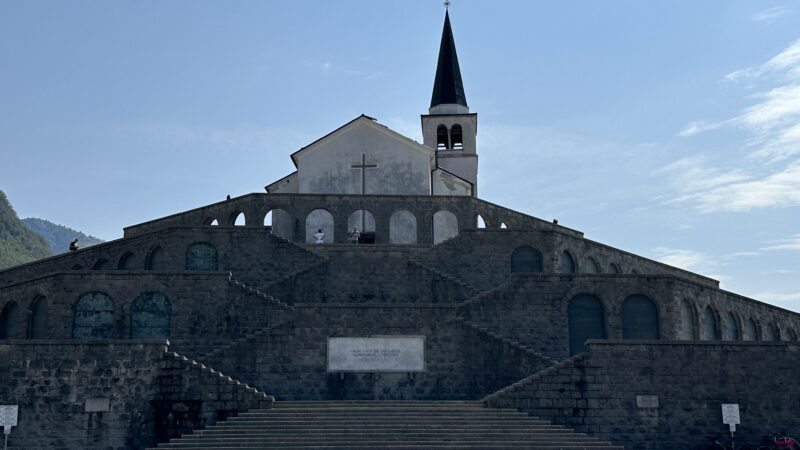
155	259
202	256
586	319
457	137
126	262
688	321
442	142
590	266
319	219
750	330
11	322
730	328
37	325
771	332
280	223
640	318
403	227
445	226
526	259
710	330
151	314
566	263
94	317
614	268
101	264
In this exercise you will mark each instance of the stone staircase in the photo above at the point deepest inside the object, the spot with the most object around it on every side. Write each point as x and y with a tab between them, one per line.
386	425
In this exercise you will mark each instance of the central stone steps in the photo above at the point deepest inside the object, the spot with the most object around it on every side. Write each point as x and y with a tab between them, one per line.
386	425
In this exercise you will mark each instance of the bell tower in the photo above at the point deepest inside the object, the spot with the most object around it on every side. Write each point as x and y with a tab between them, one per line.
449	127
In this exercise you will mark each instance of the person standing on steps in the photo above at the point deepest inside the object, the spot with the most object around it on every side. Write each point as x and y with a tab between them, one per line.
319	236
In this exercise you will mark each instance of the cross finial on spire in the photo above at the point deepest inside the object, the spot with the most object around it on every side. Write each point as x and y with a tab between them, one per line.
447	4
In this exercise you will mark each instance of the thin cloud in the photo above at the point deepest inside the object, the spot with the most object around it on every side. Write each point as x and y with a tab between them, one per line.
770	15
790	243
771	177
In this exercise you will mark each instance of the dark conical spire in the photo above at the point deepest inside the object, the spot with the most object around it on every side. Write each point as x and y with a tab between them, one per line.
448	87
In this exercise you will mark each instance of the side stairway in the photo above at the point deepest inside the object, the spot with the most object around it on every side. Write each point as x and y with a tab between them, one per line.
386	425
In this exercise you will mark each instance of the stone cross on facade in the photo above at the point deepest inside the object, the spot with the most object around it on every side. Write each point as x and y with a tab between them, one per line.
363	167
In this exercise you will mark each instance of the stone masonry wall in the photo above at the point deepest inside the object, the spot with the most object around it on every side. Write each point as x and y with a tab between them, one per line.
680	387
51	382
290	362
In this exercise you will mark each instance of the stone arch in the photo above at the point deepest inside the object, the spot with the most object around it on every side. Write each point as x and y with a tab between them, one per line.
209	221
730	327
566	263
362	219
791	335
526	259
503	226
457	137
614	268
237	218
126	261
101	264
319	219
771	332
591	266
155	259
37	323
750	330
11	323
586	319
442	138
445	226
280	223
403	227
688	321
151	314
202	256
640	318
710	331
480	223
94	317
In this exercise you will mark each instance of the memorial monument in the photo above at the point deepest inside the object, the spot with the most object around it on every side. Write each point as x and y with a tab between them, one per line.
449	323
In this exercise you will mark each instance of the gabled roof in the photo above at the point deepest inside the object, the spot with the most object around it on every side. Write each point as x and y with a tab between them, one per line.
448	87
371	121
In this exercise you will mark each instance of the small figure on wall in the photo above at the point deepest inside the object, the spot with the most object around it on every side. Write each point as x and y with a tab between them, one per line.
354	235
73	246
319	236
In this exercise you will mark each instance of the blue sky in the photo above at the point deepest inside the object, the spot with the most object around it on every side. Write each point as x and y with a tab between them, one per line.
669	129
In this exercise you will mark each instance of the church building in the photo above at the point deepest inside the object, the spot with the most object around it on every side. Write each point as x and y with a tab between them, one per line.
372	299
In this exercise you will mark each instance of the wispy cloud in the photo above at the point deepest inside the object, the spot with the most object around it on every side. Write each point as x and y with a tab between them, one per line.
789	300
790	243
771	177
329	68
770	15
684	259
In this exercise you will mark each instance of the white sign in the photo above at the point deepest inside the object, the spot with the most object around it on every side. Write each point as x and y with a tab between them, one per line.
730	415
8	417
376	354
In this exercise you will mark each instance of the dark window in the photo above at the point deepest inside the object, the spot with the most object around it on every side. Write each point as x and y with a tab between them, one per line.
771	333
526	259
150	316
614	268
441	138
709	325
456	137
586	321
688	318
101	264
155	260
750	331
10	322
639	318
566	263
94	317
202	256
37	328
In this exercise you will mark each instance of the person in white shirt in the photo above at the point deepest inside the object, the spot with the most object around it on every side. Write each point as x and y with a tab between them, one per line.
354	235
320	237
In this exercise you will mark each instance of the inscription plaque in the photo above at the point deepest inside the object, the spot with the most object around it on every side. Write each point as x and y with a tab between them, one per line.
376	354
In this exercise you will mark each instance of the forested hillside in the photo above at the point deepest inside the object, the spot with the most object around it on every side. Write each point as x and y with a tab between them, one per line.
18	244
57	236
